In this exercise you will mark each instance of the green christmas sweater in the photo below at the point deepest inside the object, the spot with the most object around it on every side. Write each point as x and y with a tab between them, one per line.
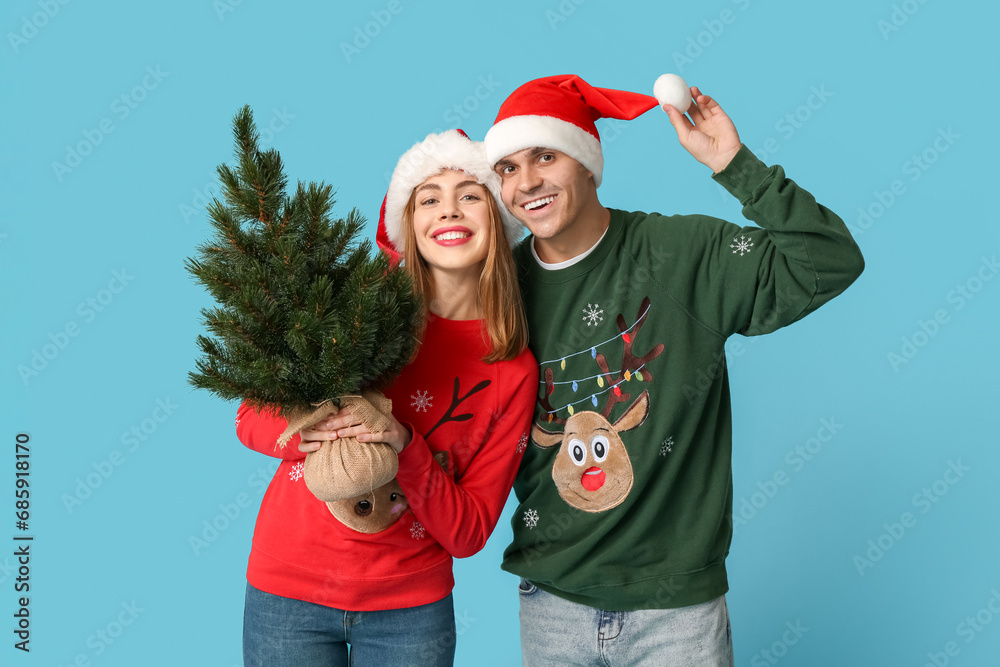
625	492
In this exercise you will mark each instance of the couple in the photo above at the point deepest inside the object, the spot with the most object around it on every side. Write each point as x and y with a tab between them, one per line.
625	511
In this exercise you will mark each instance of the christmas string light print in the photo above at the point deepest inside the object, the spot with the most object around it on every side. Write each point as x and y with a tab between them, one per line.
624	335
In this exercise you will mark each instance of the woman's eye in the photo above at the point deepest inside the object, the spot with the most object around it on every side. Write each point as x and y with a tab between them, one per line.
428	201
471	196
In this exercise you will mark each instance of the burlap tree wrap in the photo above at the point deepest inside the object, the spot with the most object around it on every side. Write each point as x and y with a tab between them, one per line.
345	468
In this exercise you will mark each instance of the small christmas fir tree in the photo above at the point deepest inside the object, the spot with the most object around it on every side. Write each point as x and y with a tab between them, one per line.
308	320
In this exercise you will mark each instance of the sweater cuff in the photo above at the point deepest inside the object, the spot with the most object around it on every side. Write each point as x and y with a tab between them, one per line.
416	458
744	174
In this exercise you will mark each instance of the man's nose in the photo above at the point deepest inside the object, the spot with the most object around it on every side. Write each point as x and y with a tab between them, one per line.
530	179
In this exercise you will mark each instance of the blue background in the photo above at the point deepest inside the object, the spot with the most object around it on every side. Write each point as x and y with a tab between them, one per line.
341	106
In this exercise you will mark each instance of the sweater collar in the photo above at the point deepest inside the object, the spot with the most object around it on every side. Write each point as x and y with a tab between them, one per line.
596	256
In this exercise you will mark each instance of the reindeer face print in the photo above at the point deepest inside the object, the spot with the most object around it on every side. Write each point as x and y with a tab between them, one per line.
592	471
372	512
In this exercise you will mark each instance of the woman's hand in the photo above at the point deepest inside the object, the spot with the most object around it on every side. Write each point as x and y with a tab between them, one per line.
314	436
344	424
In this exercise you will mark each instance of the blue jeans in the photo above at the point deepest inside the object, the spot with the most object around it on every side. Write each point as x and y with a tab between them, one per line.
280	631
555	631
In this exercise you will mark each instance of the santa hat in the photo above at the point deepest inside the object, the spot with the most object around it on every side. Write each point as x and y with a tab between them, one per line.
451	149
559	112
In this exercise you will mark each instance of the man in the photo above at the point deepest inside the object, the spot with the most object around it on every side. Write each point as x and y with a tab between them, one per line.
625	514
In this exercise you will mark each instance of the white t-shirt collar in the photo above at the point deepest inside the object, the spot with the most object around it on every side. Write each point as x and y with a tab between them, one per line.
555	266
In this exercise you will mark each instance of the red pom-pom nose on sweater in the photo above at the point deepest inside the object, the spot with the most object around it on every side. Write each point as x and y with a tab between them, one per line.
592	479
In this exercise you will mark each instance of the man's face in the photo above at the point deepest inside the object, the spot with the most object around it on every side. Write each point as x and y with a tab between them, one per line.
546	190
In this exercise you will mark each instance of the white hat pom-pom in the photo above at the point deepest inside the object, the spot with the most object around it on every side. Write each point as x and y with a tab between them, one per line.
671	89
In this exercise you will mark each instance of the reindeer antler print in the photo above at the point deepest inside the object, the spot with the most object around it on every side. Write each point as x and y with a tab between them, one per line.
629	360
455	401
630	363
543	400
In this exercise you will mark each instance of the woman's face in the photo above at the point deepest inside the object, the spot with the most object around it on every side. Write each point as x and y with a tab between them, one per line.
451	222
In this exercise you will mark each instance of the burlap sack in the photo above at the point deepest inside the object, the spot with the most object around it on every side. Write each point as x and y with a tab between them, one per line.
345	468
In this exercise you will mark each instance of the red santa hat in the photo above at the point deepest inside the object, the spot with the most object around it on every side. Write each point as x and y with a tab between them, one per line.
451	149
559	112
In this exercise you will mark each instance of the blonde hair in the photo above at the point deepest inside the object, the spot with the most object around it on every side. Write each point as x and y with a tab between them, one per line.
499	298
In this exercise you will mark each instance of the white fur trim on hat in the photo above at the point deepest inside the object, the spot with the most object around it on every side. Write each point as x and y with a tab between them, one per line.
516	133
447	150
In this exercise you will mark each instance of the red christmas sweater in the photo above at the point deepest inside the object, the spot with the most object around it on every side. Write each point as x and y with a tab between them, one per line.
470	423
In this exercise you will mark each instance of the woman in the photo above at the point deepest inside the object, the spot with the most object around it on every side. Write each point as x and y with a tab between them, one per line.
372	576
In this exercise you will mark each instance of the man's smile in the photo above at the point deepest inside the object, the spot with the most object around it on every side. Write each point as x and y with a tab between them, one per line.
536	204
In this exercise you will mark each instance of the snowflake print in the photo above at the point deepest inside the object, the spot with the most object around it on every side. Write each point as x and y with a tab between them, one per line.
417	531
237	422
667	446
593	314
522	443
421	400
296	472
742	246
531	519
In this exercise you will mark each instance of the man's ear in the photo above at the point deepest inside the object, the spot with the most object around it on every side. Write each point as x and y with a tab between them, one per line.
589	173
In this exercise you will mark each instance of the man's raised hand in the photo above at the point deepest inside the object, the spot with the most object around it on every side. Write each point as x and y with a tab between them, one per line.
706	132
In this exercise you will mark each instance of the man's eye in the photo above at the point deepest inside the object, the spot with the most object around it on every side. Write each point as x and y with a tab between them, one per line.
546	157
509	169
